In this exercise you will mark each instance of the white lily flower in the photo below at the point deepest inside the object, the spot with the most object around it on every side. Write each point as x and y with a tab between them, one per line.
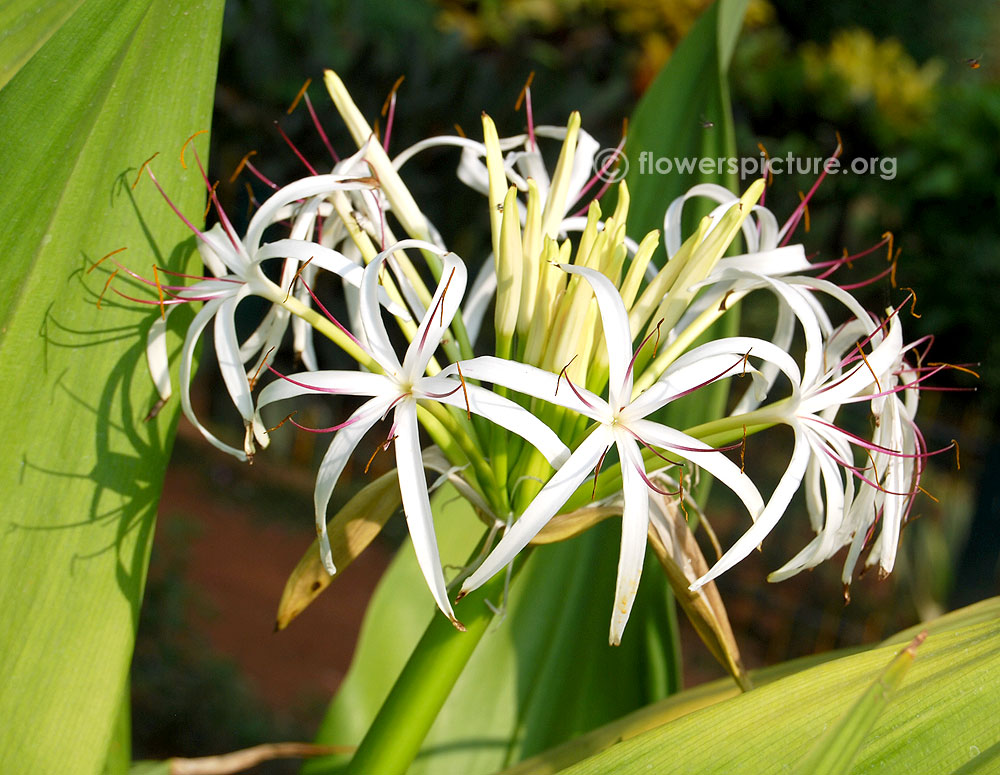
398	389
621	422
824	451
236	265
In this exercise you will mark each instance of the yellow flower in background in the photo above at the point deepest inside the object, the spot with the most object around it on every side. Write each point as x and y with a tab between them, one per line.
877	70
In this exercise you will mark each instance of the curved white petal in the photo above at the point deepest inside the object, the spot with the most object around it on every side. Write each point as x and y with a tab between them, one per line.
205	314
417	504
332	466
314	185
499	410
447	299
219	253
876	366
438	141
778	261
635	525
227	351
787	486
617	334
533	381
156	355
346	383
548	501
323	257
703	456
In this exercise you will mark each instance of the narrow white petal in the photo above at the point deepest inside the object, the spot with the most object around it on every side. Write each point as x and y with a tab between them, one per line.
777	261
205	314
314	185
437	318
259	336
347	383
499	410
156	355
763	525
533	381
323	257
439	141
877	365
617	335
716	463
417	504
548	501
219	253
227	350
337	454
635	524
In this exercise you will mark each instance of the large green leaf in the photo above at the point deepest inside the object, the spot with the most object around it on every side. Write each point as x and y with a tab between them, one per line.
93	88
550	651
943	717
685	114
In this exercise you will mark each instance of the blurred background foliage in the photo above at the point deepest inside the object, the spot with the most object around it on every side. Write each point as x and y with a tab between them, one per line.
917	82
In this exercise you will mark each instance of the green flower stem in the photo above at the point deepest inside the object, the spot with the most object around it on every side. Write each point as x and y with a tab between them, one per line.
395	736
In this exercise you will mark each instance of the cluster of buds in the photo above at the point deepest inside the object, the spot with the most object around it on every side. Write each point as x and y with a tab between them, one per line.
591	340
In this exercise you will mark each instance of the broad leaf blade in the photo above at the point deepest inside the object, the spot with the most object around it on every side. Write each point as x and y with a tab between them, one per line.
670	122
943	716
114	83
836	751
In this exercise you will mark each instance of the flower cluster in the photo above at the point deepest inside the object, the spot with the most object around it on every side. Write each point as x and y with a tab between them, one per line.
591	341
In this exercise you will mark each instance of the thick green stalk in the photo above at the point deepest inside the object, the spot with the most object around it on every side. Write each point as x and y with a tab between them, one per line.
395	736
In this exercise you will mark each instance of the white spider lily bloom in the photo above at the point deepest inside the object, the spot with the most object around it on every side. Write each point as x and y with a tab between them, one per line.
888	493
824	451
236	265
398	389
621	422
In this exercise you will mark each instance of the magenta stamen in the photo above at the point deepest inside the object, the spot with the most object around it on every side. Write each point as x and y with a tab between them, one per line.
329	316
429	394
709	381
319	128
315	388
641	471
796	216
599	175
439	304
173	207
531	119
153	302
261	176
331	429
388	121
295	150
572	387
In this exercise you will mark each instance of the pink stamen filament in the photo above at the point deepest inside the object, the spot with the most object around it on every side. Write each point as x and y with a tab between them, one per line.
319	129
328	315
793	221
295	150
600	175
572	387
315	388
642	472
